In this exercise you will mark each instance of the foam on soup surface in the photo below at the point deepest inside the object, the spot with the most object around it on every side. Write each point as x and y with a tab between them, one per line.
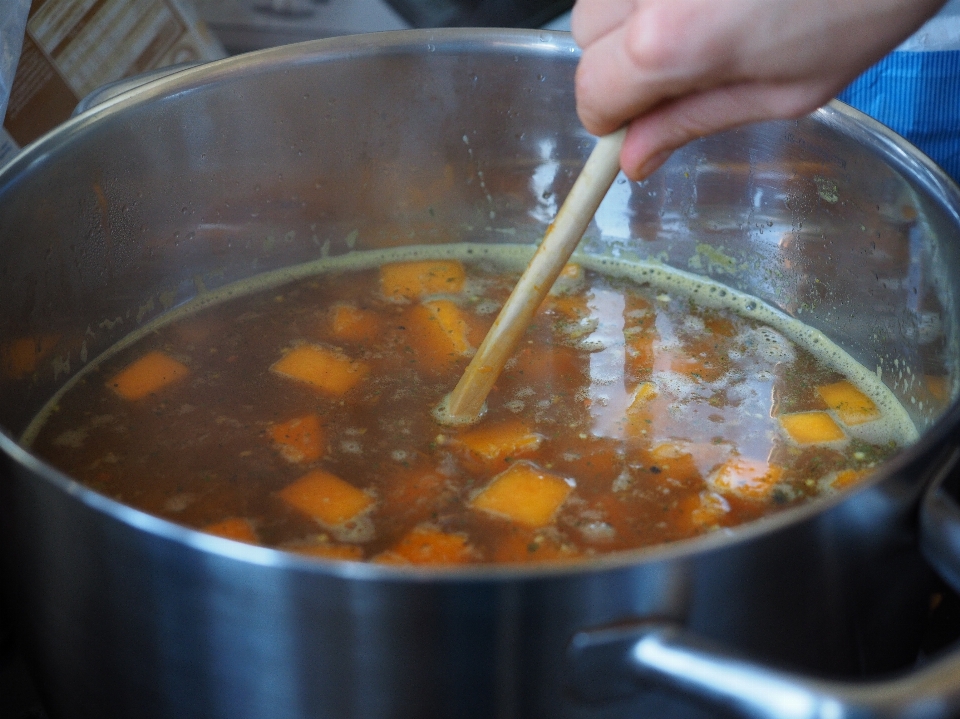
643	406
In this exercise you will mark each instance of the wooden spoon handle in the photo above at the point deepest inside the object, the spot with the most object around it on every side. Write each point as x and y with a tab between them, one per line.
465	403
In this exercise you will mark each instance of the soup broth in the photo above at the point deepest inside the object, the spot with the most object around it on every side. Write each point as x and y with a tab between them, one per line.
643	406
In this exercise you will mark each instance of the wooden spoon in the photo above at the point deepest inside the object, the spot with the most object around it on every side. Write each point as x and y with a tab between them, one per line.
465	404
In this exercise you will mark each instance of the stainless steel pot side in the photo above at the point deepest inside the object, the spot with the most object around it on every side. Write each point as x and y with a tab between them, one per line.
264	161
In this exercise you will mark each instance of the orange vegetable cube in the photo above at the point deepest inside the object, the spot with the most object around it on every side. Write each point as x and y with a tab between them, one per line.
21	357
494	442
938	386
525	494
847	478
425	545
670	450
681	460
412	280
326	498
811	427
710	509
851	405
321	368
148	374
686	461
747	478
573	306
351	324
641	411
349	552
235	528
300	439
449	319
438	333
569	279
644	392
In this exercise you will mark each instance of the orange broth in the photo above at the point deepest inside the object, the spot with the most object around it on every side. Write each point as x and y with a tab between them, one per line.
300	418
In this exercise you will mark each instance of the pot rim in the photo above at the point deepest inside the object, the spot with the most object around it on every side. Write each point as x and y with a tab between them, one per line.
896	150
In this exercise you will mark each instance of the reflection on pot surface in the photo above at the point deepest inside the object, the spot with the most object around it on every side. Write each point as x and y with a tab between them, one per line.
441	140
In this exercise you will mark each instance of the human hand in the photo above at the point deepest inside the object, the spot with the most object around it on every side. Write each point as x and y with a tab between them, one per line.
677	70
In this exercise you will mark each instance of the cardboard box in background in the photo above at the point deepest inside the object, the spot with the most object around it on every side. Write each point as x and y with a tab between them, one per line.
72	47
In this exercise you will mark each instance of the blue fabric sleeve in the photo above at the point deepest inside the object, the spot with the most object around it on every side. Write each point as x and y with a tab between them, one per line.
916	94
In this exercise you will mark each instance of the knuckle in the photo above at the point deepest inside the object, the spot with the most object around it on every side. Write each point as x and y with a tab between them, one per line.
652	37
644	43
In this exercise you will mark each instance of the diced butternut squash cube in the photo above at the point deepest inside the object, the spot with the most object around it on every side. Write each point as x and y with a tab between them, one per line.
502	441
570	307
450	321
569	279
425	545
745	477
301	439
349	552
150	373
671	450
324	369
326	498
710	509
413	280
811	427
642	394
21	357
697	513
847	478
438	333
851	405
525	494
938	386
679	460
236	528
352	324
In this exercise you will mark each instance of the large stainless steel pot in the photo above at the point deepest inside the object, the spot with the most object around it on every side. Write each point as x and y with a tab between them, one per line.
267	160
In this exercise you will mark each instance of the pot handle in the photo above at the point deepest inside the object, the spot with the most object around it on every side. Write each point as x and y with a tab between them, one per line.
613	662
